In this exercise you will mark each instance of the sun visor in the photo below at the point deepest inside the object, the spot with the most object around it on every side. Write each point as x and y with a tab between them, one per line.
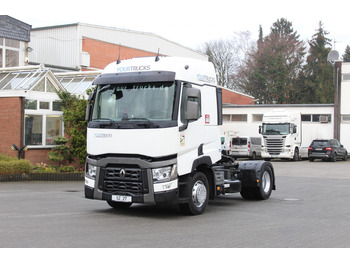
135	77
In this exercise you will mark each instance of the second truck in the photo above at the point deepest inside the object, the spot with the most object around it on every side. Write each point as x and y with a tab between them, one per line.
153	137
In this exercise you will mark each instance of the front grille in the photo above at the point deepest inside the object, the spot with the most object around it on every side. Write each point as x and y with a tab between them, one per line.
274	145
125	180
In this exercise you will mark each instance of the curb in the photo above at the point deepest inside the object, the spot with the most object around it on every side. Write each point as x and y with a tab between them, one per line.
42	177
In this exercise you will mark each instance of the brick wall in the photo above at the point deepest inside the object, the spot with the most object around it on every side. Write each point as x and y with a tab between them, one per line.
11	124
12	130
103	53
230	97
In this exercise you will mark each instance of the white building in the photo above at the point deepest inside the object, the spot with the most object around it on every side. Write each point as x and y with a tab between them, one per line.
244	120
84	46
345	106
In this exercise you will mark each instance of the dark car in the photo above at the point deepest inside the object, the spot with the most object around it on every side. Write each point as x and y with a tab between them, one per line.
327	149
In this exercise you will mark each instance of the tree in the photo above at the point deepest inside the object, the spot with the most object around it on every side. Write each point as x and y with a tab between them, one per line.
346	55
273	67
318	81
61	151
227	56
73	108
221	55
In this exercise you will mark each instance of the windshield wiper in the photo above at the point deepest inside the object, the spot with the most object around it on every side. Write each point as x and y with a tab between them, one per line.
106	122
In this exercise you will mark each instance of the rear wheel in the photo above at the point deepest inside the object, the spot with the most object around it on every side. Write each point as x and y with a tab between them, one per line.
334	157
198	192
263	191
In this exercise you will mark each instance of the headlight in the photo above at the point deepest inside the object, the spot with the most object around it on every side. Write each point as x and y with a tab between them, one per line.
91	171
164	174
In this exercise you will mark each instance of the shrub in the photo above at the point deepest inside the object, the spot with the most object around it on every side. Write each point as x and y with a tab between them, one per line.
11	165
66	169
61	151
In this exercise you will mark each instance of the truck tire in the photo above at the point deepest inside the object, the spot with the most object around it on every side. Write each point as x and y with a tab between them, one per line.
296	154
118	205
198	192
263	191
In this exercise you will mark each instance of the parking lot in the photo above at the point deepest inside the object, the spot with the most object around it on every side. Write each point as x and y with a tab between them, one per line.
310	208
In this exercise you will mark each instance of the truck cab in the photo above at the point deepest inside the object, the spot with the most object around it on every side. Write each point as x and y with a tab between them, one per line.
281	133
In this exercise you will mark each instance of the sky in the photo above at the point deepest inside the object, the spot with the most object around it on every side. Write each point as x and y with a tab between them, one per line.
191	22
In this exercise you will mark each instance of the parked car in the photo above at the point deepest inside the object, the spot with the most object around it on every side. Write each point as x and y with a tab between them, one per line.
327	149
245	146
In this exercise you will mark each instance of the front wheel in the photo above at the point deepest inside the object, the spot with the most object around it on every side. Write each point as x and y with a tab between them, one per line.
296	154
198	192
345	158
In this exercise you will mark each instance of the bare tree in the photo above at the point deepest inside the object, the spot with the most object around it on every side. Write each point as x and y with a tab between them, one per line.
228	56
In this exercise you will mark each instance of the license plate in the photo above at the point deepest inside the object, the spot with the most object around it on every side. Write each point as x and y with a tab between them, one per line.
318	149
119	198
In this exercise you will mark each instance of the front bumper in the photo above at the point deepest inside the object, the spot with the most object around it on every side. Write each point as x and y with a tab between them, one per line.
280	155
130	177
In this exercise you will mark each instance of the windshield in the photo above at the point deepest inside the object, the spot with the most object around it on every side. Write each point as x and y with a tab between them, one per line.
133	102
239	141
276	129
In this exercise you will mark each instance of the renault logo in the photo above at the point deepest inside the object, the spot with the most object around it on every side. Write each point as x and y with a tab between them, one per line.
122	173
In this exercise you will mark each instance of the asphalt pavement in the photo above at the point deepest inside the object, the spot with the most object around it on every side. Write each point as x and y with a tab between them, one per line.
310	208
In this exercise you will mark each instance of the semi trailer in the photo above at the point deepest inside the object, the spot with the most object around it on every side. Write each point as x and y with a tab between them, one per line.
153	137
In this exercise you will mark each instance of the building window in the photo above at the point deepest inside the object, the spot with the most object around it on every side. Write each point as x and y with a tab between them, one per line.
44	105
33	129
56	106
9	52
257	118
346	118
234	118
30	104
43	122
306	118
240	118
53	128
346	77
321	118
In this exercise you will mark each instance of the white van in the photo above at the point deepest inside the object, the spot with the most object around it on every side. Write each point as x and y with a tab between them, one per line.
225	149
245	146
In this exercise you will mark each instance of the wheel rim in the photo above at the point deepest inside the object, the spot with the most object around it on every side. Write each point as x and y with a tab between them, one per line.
199	194
266	181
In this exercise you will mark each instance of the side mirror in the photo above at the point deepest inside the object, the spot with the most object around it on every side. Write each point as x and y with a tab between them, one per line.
88	107
191	110
87	112
193	96
259	129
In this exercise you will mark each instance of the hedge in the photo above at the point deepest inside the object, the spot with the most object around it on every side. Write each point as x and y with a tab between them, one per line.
9	165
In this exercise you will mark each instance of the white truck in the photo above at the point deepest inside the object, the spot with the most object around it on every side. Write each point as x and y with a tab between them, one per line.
281	131
153	137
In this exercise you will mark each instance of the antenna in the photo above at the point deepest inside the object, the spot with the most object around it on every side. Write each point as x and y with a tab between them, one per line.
332	56
157	57
118	61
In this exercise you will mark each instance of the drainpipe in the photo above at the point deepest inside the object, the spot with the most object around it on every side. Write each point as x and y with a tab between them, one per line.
337	99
